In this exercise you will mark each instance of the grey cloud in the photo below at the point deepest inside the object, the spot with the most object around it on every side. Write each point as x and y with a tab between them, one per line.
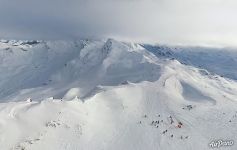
166	21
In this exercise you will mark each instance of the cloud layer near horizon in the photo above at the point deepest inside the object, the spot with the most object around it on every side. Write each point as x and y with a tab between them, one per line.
192	22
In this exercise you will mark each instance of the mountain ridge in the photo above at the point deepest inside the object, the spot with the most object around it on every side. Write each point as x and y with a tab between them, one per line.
107	94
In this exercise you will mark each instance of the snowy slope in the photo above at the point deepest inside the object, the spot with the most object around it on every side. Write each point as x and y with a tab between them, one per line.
106	94
221	61
55	67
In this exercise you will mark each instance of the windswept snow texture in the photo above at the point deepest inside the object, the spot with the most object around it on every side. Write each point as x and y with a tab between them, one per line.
106	94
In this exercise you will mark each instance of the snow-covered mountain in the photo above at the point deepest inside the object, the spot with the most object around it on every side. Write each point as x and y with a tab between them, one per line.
107	94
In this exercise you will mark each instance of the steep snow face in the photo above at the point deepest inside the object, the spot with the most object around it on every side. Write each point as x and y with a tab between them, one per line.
53	68
31	66
102	95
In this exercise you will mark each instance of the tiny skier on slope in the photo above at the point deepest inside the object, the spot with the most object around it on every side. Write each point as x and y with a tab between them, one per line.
179	124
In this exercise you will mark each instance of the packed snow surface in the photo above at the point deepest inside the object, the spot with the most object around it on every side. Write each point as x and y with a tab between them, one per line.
111	95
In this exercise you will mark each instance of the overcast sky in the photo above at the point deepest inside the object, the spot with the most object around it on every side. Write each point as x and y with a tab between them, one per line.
195	22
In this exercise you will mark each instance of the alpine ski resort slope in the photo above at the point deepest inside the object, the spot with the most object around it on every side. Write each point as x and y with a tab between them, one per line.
112	95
